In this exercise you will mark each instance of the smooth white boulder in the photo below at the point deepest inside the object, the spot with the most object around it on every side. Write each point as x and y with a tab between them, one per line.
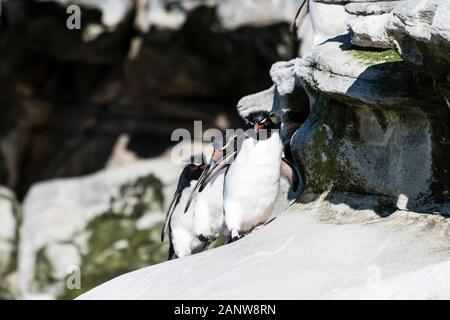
318	251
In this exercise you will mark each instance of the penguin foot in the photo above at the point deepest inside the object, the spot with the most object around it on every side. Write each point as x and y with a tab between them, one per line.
202	238
207	244
235	236
258	227
173	257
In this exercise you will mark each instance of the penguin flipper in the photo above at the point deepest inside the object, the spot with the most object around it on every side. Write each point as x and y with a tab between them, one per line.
194	191
289	171
302	12
221	158
173	205
212	170
216	169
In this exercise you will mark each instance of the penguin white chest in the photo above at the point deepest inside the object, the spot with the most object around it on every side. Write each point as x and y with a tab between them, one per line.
252	183
182	234
208	214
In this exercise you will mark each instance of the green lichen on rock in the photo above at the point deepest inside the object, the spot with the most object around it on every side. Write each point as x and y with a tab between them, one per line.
5	294
7	290
43	270
327	167
374	57
381	118
139	197
116	243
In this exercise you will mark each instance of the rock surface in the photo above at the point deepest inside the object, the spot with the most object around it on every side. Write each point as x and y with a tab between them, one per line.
371	108
421	30
351	1
234	14
337	69
104	225
370	8
231	14
365	115
371	136
71	93
9	221
328	19
284	98
100	226
371	31
319	251
375	111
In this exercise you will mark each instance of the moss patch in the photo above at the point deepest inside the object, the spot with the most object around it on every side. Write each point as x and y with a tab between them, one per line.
7	292
43	270
327	167
116	245
371	57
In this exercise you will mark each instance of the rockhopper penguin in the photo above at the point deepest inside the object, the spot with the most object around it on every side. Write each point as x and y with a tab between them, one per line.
252	176
252	181
182	238
208	220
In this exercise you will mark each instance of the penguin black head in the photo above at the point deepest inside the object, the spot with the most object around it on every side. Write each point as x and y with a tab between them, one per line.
263	120
196	165
192	171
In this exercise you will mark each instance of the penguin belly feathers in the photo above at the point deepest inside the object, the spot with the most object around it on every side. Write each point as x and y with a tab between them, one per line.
183	240
252	184
208	220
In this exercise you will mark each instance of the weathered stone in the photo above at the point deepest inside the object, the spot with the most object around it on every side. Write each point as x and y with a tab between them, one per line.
346	148
102	225
285	98
42	26
373	77
370	113
9	220
94	225
368	116
328	20
372	8
233	14
171	15
72	93
371	31
375	146
263	100
350	1
304	254
421	30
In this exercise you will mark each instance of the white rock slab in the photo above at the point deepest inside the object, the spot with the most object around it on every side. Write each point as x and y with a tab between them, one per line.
299	257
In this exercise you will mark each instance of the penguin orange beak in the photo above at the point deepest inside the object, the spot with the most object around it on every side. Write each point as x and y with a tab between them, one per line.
257	127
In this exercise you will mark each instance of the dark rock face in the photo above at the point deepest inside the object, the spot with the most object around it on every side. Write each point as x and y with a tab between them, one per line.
10	217
68	94
41	26
107	224
421	31
379	119
379	107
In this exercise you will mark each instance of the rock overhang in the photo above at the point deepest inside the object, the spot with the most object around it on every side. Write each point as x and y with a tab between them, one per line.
373	128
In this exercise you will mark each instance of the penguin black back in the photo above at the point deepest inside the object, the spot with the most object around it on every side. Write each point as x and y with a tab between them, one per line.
191	171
